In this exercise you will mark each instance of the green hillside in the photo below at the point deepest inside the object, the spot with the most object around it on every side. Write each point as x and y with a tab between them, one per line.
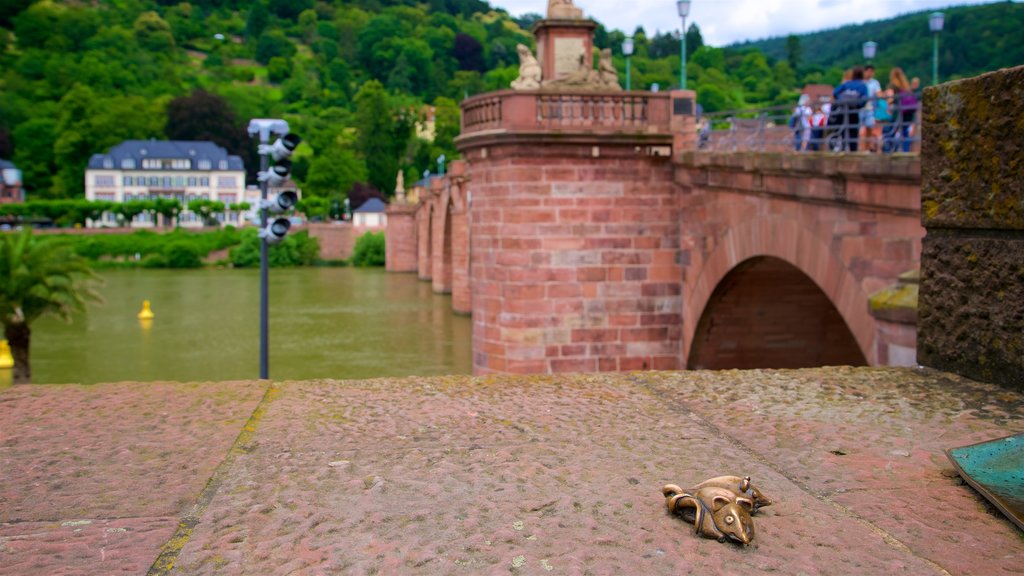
355	77
974	39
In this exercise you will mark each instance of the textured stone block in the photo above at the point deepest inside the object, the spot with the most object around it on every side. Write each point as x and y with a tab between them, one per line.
972	156
971	306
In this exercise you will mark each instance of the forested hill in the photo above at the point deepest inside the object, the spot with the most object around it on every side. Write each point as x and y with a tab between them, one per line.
975	39
355	78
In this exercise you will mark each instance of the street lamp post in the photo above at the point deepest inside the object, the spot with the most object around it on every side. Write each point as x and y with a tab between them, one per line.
935	22
869	50
684	11
627	51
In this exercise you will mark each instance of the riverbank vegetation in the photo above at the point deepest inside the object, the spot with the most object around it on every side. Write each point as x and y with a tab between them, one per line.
180	248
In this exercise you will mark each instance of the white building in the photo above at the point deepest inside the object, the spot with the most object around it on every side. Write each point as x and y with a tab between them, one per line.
176	169
371	214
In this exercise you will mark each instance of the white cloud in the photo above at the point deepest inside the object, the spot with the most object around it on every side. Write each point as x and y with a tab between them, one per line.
723	22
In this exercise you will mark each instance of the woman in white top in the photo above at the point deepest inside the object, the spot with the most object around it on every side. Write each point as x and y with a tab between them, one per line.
801	123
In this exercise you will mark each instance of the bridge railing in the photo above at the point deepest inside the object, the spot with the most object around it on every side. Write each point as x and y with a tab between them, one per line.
514	110
836	128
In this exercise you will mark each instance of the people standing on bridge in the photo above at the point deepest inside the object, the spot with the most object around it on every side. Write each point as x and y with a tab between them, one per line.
867	113
800	122
905	107
850	97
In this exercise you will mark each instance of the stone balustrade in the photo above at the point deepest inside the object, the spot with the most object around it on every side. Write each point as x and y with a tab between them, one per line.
603	112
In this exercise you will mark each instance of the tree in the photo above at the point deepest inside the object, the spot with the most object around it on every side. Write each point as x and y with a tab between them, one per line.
380	140
257	20
33	142
41	277
154	33
469	53
794	52
694	40
205	116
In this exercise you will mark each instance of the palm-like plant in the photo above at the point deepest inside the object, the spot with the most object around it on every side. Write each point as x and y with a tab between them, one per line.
38	277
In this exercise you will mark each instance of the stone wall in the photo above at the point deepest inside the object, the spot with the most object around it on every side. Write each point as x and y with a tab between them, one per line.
971	315
337	239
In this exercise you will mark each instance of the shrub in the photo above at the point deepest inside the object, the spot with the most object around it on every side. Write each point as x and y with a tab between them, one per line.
295	250
182	255
369	250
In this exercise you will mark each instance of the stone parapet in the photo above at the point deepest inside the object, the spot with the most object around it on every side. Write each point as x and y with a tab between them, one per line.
972	285
884	182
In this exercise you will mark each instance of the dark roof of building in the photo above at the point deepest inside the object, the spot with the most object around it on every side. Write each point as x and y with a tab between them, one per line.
169	150
4	164
372	205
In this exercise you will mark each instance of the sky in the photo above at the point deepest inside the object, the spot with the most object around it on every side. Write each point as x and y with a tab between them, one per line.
723	22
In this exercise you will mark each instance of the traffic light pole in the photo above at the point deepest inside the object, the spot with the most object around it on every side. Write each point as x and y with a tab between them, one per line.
264	274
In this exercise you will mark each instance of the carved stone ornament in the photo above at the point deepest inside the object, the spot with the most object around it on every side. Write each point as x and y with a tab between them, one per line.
529	70
585	78
720	508
400	187
563	10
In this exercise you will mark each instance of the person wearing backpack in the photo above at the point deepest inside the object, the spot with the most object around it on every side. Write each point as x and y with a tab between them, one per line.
850	97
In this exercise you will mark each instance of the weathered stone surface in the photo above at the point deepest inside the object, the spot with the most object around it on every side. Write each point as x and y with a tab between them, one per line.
972	154
528	474
971	316
127	449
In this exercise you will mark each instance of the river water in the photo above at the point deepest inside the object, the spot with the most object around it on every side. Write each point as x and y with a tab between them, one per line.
324	323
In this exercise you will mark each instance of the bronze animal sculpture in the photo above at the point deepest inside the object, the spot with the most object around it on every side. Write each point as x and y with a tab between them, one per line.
719	508
740	486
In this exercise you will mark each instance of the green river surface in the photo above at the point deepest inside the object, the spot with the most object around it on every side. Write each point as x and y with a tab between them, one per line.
341	323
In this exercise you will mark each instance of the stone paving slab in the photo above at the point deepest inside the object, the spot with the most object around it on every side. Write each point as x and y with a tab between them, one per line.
498	475
872	441
135	454
83	547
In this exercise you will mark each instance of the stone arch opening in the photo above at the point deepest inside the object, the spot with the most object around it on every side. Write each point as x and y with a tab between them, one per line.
426	264
766	313
446	247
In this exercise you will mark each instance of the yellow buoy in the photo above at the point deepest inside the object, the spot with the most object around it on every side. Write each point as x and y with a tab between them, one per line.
6	360
147	313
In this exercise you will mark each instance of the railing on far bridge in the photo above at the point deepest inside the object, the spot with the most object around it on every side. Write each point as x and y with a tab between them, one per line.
772	130
633	112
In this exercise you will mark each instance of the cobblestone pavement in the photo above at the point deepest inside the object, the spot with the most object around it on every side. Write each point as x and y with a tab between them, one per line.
499	475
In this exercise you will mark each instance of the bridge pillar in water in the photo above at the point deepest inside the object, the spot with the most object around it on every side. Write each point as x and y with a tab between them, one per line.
573	231
400	238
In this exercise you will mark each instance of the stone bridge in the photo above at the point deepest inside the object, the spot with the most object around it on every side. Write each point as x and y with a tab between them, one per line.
585	232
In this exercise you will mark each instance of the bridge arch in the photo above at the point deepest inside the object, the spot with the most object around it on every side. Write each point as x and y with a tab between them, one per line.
779	239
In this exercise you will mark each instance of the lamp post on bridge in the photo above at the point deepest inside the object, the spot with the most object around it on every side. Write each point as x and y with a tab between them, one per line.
935	23
627	51
684	11
869	50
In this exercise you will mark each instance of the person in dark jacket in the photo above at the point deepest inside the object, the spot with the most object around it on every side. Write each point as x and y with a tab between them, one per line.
850	97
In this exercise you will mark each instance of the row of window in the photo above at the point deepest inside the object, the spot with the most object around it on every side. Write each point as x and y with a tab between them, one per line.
227	199
165	164
107	181
185	217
